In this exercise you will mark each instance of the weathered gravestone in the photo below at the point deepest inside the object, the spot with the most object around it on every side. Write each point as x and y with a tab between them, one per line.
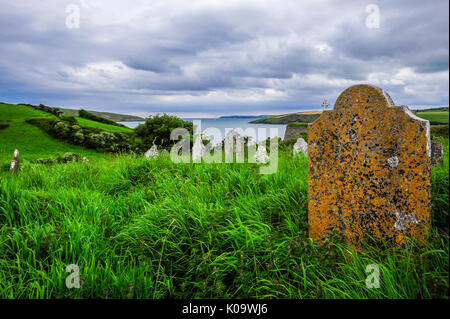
86	160
152	152
198	150
437	153
234	142
15	162
300	147
369	170
261	155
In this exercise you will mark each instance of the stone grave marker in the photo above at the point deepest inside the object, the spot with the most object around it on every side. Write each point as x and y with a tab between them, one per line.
86	160
152	152
234	143
369	172
300	147
15	162
261	154
198	150
437	153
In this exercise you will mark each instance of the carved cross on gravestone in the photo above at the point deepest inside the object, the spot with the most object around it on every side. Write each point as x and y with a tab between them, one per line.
369	170
325	104
15	162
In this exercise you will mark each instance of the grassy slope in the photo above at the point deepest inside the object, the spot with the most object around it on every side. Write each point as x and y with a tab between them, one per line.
112	116
306	117
102	126
154	229
30	140
434	116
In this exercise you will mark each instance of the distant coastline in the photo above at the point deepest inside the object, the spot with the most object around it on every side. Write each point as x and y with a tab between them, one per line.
116	117
243	116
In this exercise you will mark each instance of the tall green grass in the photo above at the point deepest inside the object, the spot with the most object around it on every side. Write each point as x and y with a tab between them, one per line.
142	228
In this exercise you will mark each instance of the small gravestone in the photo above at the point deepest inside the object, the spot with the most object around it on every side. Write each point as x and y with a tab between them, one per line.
251	141
437	153
369	170
234	143
198	150
86	160
15	162
152	152
300	147
261	155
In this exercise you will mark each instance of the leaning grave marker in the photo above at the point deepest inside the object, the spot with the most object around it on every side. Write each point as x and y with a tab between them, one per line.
369	170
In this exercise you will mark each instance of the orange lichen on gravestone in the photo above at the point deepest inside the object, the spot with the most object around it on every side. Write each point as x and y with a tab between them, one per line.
369	170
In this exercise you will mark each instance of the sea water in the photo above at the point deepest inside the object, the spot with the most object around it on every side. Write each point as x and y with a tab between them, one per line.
225	124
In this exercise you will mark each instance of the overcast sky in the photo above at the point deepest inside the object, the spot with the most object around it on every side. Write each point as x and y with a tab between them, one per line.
214	57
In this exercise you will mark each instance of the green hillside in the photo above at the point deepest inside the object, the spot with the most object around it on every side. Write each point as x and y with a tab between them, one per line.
32	142
306	117
435	116
112	116
102	126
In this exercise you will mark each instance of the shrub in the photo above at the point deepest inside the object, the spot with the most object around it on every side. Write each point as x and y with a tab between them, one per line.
68	157
78	138
85	136
439	130
156	130
52	110
70	119
76	128
45	161
62	129
46	125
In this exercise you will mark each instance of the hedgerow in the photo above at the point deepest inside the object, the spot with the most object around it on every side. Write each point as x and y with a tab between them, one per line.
85	136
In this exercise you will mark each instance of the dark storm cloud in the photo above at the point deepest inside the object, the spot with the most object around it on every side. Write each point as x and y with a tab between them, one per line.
220	56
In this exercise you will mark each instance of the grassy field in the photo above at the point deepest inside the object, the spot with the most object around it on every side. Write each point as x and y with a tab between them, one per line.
155	229
434	116
102	126
141	228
